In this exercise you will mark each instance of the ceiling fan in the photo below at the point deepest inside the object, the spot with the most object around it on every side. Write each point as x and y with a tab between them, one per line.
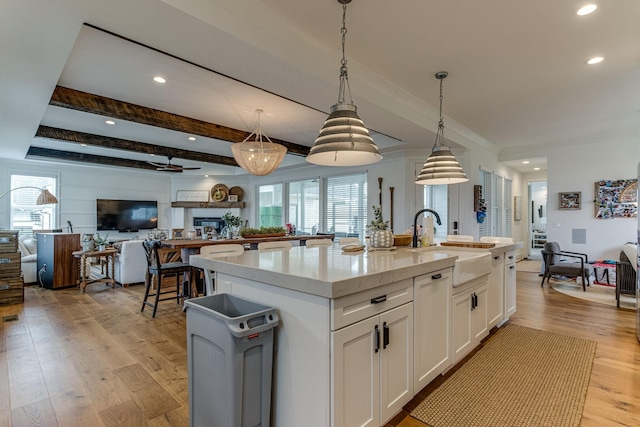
170	167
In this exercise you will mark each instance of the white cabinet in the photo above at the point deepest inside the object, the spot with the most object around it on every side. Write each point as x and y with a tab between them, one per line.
432	326
510	283
372	368
469	319
495	291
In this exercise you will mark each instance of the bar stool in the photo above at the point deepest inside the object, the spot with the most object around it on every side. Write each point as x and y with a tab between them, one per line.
156	268
214	251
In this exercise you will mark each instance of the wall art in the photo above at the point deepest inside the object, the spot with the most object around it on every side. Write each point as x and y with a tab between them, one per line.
572	200
616	198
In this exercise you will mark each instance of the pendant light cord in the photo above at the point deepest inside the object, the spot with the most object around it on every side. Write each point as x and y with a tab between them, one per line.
344	77
440	133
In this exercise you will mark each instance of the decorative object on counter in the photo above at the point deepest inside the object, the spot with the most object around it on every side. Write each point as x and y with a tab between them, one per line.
101	242
402	239
257	156
157	234
571	200
44	198
191	234
248	232
233	223
88	243
344	140
379	234
616	199
219	193
441	166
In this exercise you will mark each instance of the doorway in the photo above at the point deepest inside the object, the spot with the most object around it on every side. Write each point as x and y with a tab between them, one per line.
537	218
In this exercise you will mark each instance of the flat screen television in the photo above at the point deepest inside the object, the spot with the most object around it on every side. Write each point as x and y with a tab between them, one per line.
126	215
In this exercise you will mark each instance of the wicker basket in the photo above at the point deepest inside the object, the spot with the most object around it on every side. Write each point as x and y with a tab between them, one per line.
402	239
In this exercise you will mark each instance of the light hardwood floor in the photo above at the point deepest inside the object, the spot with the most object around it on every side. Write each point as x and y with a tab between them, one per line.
94	360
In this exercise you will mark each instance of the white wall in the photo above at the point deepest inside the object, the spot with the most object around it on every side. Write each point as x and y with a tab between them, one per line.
578	169
80	186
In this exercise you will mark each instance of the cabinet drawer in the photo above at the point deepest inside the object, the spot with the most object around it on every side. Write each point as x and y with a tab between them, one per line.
356	307
510	258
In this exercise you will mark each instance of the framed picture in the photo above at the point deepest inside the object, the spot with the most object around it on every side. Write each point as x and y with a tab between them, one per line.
177	233
232	198
571	200
517	208
192	196
199	232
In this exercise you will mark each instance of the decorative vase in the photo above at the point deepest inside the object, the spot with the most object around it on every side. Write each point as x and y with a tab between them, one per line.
102	247
381	239
88	244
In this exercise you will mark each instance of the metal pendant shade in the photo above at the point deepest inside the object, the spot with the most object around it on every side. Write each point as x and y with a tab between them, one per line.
258	156
441	166
344	140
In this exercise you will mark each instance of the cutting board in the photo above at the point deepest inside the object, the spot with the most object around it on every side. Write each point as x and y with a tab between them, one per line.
469	244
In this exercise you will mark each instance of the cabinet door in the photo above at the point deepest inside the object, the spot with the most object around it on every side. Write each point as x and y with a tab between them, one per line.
432	326
479	323
396	361
510	289
495	297
355	374
461	323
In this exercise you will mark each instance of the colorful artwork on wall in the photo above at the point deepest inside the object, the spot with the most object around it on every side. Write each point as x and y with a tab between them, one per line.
616	198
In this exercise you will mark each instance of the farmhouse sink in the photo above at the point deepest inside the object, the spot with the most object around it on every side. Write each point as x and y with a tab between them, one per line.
469	265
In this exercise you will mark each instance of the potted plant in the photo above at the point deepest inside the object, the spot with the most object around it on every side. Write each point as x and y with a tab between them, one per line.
233	223
100	242
379	234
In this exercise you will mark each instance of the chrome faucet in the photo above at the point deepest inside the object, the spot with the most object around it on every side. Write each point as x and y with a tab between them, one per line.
415	224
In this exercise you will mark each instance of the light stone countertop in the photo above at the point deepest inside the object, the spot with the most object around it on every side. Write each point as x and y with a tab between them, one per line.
326	271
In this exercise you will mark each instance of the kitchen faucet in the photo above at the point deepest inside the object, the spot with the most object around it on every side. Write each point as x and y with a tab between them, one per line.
415	224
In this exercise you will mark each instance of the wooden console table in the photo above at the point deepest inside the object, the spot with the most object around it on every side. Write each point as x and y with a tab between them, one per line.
84	275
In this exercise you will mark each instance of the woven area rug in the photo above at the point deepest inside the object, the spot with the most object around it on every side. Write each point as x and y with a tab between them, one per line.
521	377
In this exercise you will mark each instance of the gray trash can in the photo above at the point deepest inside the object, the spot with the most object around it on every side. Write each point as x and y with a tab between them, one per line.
230	358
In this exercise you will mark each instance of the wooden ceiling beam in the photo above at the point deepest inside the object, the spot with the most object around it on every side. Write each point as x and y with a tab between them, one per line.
48	154
103	106
128	145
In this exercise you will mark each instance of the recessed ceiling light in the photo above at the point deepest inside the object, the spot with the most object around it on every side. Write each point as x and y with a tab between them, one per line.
192	138
159	79
587	9
110	122
525	162
151	154
206	176
83	145
536	169
595	60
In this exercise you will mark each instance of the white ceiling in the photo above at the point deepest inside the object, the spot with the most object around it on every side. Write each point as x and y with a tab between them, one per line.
517	84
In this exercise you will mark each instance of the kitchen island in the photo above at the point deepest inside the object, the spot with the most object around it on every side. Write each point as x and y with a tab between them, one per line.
360	333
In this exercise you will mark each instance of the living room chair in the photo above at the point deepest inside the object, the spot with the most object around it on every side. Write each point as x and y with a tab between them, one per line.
155	267
555	263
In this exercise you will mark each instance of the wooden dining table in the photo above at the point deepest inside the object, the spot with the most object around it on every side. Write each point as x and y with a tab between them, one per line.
193	245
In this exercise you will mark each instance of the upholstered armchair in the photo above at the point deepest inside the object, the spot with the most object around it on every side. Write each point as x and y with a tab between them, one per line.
626	272
564	263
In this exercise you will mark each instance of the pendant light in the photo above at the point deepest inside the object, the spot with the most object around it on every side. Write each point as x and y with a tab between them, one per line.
258	156
344	140
441	166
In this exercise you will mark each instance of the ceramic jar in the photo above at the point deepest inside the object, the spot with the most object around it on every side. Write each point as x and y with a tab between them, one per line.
381	239
88	244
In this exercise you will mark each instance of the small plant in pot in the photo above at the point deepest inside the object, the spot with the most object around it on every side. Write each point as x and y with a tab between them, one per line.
379	234
233	223
100	242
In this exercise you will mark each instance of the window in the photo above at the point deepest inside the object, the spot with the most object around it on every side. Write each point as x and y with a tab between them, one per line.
346	206
304	206
270	205
497	192
26	215
436	197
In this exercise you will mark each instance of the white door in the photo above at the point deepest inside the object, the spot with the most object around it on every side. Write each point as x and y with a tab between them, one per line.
396	360
356	374
461	324
495	297
432	326
479	324
510	289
